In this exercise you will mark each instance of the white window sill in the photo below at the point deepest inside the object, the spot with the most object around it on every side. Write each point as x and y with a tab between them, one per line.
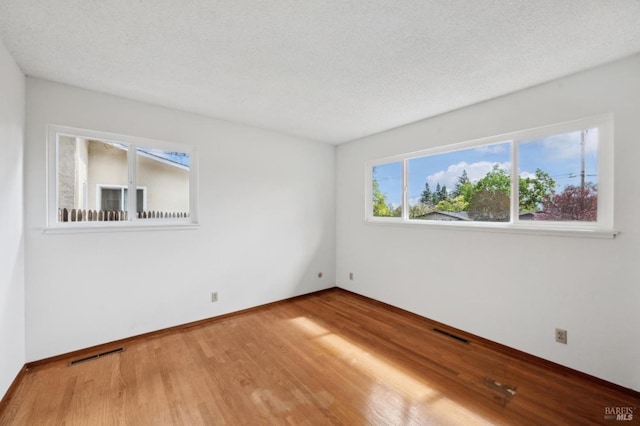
556	231
75	228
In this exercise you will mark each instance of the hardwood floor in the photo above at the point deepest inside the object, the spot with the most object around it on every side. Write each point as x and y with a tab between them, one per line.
328	358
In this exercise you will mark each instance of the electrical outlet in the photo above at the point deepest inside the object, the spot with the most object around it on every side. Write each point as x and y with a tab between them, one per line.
214	296
351	275
561	336
319	274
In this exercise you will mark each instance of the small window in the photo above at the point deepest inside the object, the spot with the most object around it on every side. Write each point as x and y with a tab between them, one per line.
102	178
558	176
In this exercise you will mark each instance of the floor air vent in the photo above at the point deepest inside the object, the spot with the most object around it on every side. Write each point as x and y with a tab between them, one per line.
453	336
100	355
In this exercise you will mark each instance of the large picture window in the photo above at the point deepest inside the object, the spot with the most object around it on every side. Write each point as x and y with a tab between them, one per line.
103	179
558	177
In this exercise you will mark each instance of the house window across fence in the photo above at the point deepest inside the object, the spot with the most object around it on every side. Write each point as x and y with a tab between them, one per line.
102	179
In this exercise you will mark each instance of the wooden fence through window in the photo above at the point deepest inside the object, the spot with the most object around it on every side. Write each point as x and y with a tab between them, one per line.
80	215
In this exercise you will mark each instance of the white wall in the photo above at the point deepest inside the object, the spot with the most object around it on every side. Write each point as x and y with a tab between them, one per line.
511	288
12	305
267	215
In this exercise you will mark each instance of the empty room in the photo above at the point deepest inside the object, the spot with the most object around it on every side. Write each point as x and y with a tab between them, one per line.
322	212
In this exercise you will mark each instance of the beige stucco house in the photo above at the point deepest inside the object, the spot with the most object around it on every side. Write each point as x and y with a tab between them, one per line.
92	176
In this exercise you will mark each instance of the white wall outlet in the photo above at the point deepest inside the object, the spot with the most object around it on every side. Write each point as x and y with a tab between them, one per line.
351	275
214	296
561	336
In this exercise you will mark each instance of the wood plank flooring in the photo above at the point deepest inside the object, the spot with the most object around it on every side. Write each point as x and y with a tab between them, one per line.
327	358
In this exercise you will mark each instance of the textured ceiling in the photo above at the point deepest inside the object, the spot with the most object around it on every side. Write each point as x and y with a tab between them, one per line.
328	70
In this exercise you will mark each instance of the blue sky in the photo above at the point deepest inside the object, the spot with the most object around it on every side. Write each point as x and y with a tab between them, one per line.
175	157
558	155
180	158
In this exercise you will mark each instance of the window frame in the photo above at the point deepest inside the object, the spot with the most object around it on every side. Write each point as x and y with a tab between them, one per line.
602	228
132	222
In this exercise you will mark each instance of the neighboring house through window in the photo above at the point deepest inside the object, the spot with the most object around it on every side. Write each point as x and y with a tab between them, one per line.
98	177
116	197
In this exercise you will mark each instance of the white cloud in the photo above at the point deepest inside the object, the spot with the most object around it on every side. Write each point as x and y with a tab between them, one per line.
566	146
475	171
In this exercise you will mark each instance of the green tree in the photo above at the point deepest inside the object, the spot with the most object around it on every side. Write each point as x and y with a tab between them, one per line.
533	191
464	188
443	194
456	204
427	195
466	191
463	181
440	194
490	200
491	206
497	180
380	207
435	196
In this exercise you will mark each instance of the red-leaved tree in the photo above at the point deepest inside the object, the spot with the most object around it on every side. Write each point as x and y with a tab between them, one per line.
572	204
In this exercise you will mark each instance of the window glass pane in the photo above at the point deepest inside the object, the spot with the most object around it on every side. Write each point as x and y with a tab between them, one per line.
559	177
111	199
467	185
387	190
90	178
84	168
139	199
163	183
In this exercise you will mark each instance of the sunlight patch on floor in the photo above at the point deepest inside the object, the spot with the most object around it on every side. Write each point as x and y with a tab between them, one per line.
395	396
309	327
